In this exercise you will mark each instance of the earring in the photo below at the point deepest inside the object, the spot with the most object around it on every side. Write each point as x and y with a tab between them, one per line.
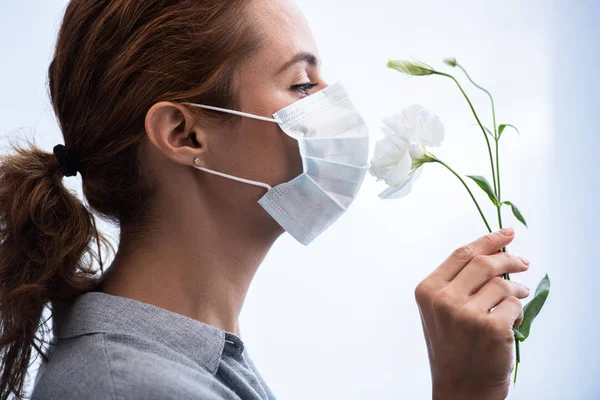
196	160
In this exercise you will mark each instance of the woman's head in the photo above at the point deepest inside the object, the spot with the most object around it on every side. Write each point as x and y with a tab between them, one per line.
264	82
120	73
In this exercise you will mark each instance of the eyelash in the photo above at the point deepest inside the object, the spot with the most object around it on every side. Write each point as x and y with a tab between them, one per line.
304	87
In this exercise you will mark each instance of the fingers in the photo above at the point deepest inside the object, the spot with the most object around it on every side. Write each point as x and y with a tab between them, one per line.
509	312
485	245
483	268
495	291
519	319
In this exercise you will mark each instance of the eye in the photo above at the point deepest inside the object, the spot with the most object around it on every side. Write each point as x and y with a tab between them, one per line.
303	88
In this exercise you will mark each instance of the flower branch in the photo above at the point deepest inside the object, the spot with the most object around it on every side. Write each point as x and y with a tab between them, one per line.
400	156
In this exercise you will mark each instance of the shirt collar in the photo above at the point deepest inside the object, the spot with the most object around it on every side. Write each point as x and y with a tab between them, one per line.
98	312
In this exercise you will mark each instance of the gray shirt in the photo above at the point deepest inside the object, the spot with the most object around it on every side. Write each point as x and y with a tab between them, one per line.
110	347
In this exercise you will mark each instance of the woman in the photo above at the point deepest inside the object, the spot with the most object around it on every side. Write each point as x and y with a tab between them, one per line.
146	93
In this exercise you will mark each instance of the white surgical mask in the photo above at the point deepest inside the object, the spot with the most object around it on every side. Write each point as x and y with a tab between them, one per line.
333	141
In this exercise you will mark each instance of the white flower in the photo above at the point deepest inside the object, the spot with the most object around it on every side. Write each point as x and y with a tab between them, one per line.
399	156
416	124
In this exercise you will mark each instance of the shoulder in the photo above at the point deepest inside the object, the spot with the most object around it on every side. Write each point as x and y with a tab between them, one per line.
75	369
121	367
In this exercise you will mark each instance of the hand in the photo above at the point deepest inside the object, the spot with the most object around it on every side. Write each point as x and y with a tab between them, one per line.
470	347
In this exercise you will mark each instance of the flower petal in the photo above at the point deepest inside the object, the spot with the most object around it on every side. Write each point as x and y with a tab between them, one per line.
432	130
387	131
416	124
396	192
402	124
416	174
391	161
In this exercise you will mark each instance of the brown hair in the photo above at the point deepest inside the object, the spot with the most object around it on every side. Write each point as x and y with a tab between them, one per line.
113	60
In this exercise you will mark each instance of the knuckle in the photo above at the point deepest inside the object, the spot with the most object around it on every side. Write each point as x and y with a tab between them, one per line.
480	259
500	283
422	291
486	263
443	302
512	259
465	252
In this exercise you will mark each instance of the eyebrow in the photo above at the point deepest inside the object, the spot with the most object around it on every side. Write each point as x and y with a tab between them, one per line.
302	56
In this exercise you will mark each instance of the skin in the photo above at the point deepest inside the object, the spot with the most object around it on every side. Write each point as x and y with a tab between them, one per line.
210	235
470	346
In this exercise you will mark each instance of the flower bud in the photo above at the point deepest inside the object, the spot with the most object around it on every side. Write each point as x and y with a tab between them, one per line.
414	68
450	61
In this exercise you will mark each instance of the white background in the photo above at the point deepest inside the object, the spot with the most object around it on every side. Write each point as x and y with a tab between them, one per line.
337	319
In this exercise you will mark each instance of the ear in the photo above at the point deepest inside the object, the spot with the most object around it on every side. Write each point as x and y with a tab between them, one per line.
172	129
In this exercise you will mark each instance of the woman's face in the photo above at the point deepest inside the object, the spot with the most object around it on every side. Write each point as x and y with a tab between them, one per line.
259	150
252	149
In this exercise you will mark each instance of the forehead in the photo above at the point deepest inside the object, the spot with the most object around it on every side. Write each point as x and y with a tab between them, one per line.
285	32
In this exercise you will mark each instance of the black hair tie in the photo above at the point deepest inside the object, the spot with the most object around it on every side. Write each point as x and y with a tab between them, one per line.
68	160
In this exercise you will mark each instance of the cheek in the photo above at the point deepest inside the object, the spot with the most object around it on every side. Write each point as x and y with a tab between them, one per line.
292	157
259	151
278	157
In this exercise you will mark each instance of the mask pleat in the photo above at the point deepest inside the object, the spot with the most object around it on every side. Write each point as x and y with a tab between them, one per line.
337	119
300	111
346	150
341	181
302	208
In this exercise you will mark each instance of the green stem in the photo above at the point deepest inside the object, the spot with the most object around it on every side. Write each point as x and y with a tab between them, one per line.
499	206
506	275
488	93
518	359
468	190
499	195
485	135
496	179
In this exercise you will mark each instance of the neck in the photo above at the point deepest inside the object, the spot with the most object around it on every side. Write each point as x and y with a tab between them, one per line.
197	261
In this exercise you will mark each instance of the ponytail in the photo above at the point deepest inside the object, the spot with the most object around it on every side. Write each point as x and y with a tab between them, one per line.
46	254
113	60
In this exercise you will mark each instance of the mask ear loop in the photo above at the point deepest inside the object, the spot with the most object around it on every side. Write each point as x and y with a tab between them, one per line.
240	113
235	178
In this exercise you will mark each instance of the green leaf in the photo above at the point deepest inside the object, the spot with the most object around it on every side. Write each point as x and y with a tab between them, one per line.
502	127
485	186
516	212
533	308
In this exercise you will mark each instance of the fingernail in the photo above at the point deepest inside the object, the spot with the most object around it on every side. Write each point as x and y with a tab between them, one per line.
507	231
524	285
525	261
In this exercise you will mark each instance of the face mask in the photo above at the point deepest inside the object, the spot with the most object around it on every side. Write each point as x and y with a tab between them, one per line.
333	142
